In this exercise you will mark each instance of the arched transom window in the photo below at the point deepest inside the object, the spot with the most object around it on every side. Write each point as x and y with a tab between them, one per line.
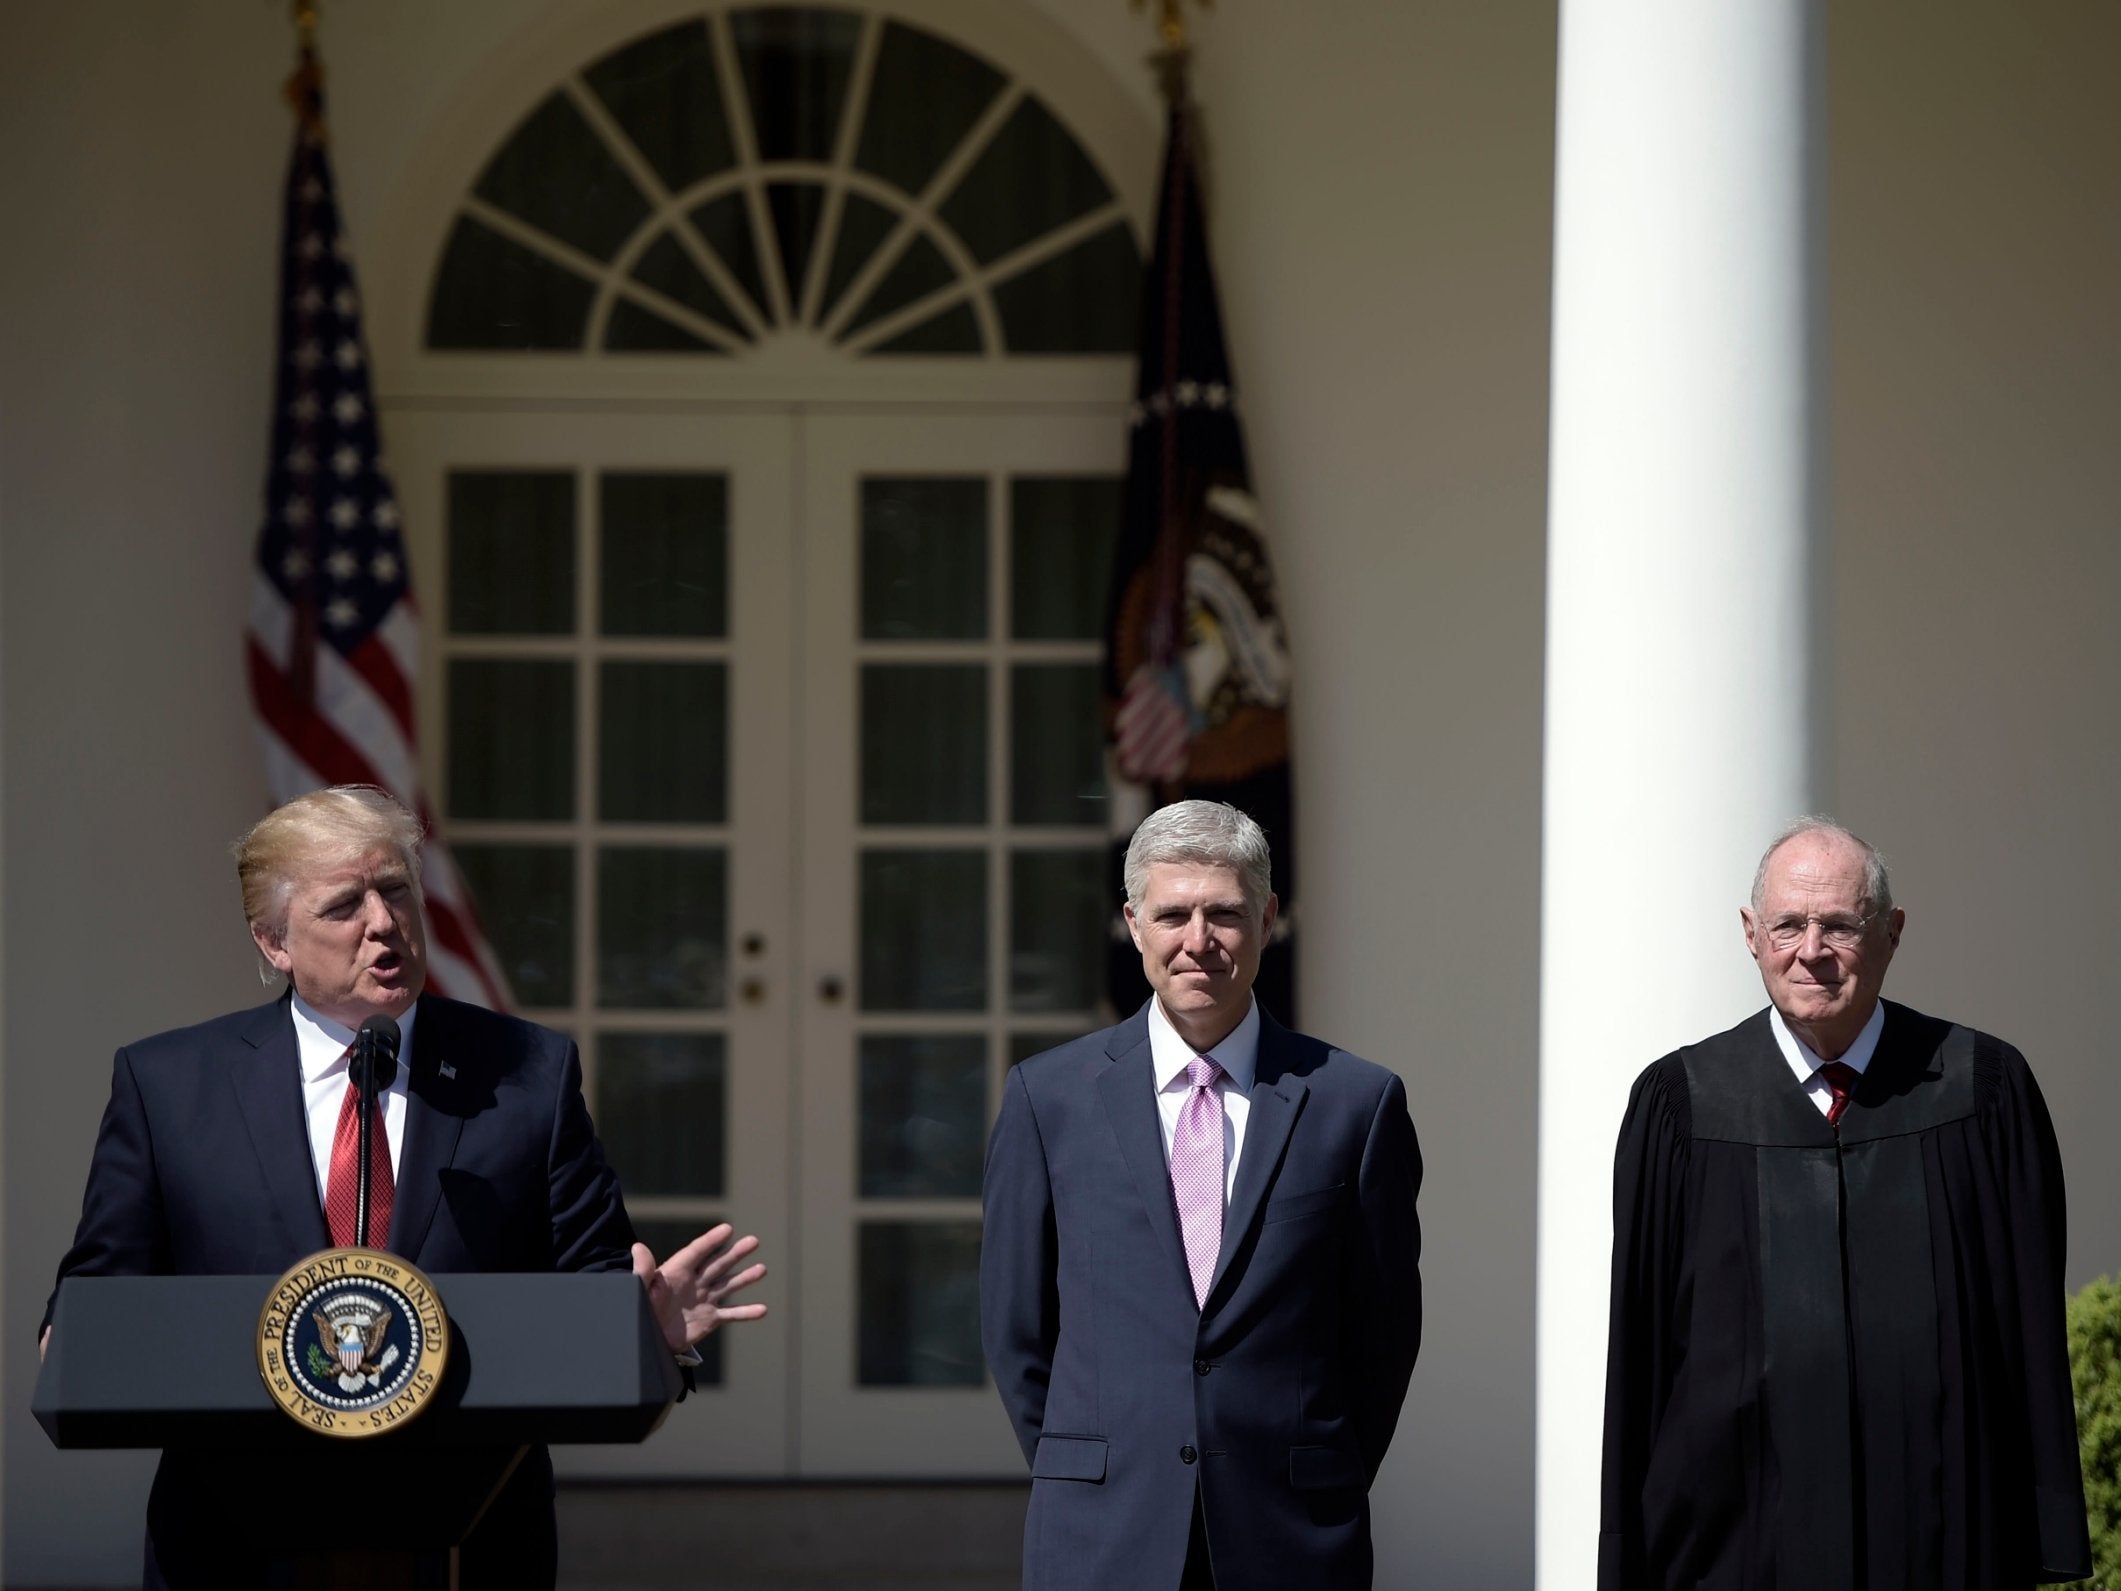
766	172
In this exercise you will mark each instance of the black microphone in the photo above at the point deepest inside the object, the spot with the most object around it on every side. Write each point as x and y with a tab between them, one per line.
375	1064
376	1052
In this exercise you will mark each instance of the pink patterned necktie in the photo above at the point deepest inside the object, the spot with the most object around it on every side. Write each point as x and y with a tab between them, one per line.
1197	1172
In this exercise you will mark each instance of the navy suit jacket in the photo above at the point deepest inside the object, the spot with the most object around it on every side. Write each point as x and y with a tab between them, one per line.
203	1167
1274	1403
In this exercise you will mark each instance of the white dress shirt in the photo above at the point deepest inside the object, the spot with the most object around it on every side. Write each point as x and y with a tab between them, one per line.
1806	1065
1237	1055
320	1044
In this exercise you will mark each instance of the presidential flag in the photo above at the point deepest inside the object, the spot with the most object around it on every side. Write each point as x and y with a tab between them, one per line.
1196	660
334	637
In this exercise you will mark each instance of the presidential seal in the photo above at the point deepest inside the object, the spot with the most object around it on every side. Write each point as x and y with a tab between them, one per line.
352	1342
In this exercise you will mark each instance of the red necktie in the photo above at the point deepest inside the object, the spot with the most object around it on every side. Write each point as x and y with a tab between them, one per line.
341	1185
1841	1078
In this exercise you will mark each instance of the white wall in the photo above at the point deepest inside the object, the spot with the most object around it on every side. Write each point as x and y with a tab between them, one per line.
1975	296
138	178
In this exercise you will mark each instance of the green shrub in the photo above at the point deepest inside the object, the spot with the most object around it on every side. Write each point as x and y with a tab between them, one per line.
2095	1368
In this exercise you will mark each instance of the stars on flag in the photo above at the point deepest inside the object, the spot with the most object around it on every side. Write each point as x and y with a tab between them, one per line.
1213	395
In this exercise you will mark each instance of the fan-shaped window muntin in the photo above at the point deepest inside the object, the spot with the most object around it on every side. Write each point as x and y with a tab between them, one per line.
902	197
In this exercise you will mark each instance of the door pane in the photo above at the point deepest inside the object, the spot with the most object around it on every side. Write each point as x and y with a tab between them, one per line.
526	901
924	559
924	743
664	755
917	1298
924	930
924	1114
511	552
664	562
1059	903
662	1111
511	738
1056	744
1061	533
662	927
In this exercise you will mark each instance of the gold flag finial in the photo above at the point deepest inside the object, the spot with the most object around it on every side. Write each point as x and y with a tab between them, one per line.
1171	19
305	85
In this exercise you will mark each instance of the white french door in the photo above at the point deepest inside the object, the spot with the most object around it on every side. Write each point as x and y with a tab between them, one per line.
953	905
769	740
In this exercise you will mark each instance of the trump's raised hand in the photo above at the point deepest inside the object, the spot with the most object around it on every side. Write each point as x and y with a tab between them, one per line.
690	1290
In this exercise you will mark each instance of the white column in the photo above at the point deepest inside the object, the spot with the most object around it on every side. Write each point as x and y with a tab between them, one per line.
1682	667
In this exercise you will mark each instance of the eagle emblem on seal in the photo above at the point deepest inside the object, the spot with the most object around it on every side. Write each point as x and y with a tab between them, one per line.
351	1331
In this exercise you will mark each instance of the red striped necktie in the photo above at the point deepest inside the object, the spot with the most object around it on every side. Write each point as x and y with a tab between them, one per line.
342	1183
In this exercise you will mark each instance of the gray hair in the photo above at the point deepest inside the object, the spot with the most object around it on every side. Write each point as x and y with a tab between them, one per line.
1211	832
1877	887
325	828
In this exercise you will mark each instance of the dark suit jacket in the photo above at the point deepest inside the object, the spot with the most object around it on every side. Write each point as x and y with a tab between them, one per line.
1275	1402
203	1167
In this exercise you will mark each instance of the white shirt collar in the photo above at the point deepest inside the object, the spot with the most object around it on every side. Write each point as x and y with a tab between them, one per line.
321	1043
1237	1054
1805	1064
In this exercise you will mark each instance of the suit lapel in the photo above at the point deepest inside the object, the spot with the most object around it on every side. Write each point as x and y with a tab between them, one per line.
434	1121
1126	1091
267	1081
1276	1101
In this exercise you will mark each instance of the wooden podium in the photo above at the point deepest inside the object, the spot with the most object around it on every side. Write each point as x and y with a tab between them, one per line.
168	1361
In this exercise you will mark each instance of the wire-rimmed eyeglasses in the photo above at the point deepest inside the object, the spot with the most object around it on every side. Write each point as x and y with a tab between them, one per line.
1840	930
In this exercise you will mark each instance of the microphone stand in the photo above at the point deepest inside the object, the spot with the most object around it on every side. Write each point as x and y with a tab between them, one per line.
374	1065
364	1061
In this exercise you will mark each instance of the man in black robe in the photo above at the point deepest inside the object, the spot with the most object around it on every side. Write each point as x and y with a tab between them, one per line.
1837	1359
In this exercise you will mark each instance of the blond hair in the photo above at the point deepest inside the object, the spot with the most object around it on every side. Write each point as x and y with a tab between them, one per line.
326	828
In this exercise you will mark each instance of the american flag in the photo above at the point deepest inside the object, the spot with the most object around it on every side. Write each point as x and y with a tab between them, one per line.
334	637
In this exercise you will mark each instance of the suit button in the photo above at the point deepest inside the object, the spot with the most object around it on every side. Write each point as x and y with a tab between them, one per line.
1200	1367
1186	1455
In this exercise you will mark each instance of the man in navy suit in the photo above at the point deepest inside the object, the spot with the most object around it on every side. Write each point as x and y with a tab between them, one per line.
1199	1285
216	1152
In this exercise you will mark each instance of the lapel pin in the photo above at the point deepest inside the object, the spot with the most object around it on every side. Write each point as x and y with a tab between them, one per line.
449	1072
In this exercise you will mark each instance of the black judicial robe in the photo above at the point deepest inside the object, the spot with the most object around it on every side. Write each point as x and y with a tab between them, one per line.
1837	1361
